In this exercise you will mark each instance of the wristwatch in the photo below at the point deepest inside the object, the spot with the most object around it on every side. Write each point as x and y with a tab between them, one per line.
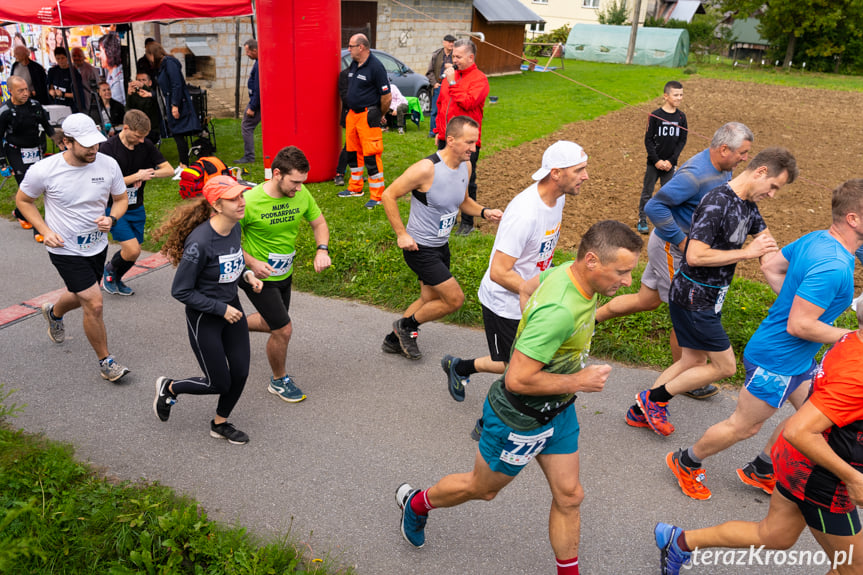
113	220
324	247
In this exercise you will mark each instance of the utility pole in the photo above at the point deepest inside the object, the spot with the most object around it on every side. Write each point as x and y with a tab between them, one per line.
630	51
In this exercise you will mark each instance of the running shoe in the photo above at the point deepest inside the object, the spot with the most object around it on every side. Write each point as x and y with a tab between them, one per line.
671	556
463	229
371	204
642	226
476	432
23	223
111	370
691	480
655	413
350	194
412	525
339	180
164	400
228	431
286	389
749	476
455	381
635	419
123	289
407	339
708	390
402	131
391	346
40	239
56	331
108	283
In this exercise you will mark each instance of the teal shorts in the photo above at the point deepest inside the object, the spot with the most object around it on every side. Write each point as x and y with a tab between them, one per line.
508	451
130	226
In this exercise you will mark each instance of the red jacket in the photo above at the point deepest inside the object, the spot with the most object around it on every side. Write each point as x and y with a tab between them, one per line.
465	98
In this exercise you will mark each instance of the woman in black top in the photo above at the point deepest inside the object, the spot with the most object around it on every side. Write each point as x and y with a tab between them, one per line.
204	243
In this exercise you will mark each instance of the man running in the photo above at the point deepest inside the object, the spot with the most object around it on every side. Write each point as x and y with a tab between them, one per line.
528	412
438	185
720	225
523	247
76	185
272	218
814	280
140	161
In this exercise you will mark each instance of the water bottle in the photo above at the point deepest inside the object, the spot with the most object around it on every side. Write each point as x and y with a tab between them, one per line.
107	128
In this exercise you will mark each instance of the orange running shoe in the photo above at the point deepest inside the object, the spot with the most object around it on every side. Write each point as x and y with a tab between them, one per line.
635	419
38	238
691	480
655	413
749	476
24	223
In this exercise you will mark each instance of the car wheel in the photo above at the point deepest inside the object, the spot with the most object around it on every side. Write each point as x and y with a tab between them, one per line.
424	97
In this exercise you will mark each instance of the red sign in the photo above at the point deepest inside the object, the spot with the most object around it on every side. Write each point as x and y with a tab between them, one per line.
5	40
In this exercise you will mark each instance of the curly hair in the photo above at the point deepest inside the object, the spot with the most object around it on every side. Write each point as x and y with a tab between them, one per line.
179	224
110	43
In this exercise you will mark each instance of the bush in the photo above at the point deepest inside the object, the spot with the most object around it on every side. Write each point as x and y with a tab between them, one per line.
615	14
558	36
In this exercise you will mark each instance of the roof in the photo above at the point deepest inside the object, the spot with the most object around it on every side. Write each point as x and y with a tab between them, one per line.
506	12
685	9
745	31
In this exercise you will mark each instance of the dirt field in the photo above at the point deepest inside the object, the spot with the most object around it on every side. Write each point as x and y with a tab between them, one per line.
821	127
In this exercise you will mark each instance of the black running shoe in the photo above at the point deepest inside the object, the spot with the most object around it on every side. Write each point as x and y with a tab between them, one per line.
228	431
407	339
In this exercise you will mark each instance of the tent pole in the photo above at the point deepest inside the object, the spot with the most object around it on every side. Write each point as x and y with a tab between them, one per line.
239	66
132	42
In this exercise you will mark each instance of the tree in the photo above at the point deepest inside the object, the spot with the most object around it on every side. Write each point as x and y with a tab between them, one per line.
615	13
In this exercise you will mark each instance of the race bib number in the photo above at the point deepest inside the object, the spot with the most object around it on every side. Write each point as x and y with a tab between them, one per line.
132	193
88	240
281	263
230	267
520	449
447	221
30	155
720	299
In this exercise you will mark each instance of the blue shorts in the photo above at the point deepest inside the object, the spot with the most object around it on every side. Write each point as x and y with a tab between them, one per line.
701	330
773	388
507	451
130	226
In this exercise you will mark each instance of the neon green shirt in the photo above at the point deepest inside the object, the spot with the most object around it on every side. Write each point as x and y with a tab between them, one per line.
270	227
555	329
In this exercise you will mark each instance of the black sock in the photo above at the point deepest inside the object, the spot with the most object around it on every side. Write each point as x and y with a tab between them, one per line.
465	367
637	410
688	459
763	464
681	542
660	395
119	266
411	323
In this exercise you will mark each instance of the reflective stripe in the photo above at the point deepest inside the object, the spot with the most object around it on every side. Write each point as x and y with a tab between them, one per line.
670	260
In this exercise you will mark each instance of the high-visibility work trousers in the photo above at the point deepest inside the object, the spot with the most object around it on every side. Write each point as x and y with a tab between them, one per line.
361	138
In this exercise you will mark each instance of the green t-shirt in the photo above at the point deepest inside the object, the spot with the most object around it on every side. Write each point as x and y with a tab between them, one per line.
555	329
270	227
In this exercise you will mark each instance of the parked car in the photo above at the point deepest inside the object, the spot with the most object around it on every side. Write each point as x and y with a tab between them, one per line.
410	83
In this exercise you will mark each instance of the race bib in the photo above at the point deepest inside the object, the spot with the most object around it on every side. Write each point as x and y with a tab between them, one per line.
720	299
281	263
447	221
30	155
520	449
88	240
132	192
230	267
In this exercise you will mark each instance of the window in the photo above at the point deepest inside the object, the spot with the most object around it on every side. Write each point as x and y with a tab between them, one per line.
537	27
540	1
590	3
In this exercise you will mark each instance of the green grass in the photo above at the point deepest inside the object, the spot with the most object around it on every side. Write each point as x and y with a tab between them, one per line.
724	69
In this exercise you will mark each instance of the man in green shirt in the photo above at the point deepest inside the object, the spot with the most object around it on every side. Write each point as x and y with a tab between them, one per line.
270	225
528	412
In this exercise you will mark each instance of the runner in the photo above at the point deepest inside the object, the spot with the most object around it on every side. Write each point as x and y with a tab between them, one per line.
438	185
528	412
203	241
140	161
523	246
76	185
818	481
270	225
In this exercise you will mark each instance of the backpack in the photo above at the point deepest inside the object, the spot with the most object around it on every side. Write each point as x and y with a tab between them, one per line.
193	178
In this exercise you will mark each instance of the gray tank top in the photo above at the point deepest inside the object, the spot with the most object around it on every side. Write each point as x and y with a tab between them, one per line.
433	213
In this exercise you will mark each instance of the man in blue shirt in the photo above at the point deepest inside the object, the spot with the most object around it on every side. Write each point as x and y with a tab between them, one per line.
252	117
671	211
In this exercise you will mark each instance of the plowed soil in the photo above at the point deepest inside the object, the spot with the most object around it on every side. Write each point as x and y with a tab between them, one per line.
821	128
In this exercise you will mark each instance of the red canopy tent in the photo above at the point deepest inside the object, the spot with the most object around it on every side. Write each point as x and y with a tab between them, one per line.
85	12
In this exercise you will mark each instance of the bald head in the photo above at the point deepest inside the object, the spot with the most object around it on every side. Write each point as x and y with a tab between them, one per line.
359	48
18	90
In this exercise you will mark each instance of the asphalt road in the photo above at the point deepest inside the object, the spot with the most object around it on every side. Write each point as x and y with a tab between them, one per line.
326	469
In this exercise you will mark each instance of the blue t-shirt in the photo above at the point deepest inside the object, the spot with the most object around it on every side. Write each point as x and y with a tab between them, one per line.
671	208
821	271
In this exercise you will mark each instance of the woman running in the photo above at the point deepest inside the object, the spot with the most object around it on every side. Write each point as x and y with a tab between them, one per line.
204	243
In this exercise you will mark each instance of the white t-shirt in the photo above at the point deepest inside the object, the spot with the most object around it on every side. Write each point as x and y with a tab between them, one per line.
75	197
529	232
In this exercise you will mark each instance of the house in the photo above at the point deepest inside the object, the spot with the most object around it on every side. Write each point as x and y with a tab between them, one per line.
748	43
502	23
558	13
682	10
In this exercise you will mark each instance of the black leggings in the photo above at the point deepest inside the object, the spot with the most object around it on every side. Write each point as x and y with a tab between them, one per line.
222	350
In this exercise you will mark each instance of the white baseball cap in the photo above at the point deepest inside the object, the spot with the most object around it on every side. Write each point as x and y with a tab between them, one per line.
561	154
82	129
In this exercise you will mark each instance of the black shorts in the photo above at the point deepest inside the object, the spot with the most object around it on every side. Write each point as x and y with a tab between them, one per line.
431	265
822	519
701	330
80	272
273	302
499	333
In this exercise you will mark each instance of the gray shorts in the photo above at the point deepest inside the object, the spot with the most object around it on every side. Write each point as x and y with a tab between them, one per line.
662	259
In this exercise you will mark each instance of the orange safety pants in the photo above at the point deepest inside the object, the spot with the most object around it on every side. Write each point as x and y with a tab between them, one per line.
368	141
